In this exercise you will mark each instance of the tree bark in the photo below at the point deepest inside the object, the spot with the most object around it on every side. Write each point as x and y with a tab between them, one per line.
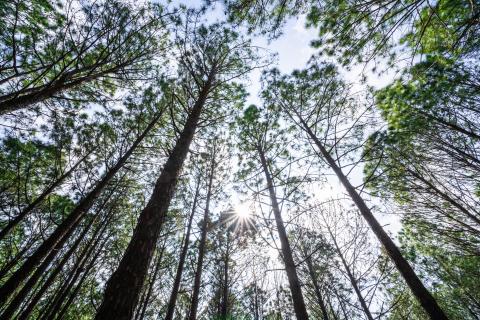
55	241
20	100
30	284
225	280
423	296
181	262
38	295
86	271
294	282
318	292
192	315
124	286
143	308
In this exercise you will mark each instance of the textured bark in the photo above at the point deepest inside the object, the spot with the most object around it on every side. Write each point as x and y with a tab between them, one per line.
318	292
294	282
192	314
55	241
11	224
423	296
38	295
181	262
124	286
62	293
86	272
148	294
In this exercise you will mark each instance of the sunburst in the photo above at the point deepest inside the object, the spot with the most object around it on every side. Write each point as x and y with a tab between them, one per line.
239	218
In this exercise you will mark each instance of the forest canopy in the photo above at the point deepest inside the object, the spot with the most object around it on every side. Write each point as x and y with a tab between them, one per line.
144	176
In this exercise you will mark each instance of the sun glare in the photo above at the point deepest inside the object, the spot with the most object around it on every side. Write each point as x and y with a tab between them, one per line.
242	211
240	218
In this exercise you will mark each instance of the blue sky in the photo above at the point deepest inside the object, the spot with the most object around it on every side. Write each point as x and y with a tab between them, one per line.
293	51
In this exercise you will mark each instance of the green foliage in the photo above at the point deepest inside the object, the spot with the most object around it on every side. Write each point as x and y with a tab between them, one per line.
26	168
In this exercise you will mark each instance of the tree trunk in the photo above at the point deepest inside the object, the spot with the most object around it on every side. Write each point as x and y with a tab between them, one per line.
294	282
352	279
61	294
86	271
192	315
178	277
124	286
55	241
38	295
318	292
16	101
225	280
143	308
418	289
30	284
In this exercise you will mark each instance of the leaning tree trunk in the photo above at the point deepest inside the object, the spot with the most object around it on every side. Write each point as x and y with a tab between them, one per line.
146	299
294	282
37	274
61	294
192	315
178	277
318	292
11	224
352	279
423	296
55	241
124	286
40	293
20	100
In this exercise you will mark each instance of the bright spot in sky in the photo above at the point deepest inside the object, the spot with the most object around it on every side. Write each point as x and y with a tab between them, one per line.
243	211
240	217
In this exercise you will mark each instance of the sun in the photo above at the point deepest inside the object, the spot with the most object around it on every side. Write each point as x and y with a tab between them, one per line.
239	218
243	211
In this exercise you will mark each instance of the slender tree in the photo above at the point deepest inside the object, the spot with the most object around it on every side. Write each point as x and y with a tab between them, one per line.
257	138
57	239
183	254
317	109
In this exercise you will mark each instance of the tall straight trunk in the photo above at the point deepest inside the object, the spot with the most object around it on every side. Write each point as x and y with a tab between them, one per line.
38	295
423	296
318	292
143	306
181	262
294	282
55	241
255	292
61	294
124	286
225	280
30	284
352	279
86	271
11	224
11	264
192	314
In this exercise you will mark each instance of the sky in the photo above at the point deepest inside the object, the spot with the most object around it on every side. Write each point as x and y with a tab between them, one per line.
293	51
